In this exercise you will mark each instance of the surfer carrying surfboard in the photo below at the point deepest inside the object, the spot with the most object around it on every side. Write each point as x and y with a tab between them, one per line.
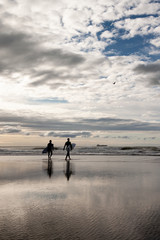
50	149
68	147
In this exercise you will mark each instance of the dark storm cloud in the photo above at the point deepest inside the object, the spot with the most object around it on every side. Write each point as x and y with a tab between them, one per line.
45	77
148	68
23	53
17	44
9	129
119	124
69	134
63	58
151	71
36	123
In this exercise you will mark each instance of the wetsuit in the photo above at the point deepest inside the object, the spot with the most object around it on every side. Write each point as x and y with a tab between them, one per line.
50	149
68	147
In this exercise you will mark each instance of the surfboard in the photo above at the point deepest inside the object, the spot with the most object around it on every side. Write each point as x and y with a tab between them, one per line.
69	148
44	150
73	145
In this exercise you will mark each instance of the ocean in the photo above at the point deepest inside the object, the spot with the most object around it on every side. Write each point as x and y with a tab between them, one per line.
84	150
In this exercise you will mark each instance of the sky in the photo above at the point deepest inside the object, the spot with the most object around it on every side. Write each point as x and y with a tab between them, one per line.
88	70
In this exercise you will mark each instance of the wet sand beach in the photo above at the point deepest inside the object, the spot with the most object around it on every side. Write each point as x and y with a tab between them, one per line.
88	198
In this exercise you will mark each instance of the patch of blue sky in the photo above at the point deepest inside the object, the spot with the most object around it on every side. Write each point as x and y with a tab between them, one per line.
154	1
137	45
127	47
142	16
80	37
107	26
49	101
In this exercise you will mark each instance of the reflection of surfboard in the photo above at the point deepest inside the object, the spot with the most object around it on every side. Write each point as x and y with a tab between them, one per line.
44	150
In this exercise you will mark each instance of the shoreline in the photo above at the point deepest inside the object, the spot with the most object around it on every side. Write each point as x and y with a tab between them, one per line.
80	156
93	151
84	154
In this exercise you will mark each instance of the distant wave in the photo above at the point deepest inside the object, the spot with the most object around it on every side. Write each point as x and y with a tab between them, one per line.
94	150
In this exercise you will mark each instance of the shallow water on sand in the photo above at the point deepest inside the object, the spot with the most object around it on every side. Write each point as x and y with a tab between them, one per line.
92	197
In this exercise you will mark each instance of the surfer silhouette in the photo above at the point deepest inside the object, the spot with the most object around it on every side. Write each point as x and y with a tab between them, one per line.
68	147
50	149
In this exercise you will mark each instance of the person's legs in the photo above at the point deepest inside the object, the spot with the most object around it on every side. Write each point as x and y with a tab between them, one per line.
49	154
68	154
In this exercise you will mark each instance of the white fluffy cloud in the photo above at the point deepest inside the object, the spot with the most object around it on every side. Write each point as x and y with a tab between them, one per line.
140	26
156	41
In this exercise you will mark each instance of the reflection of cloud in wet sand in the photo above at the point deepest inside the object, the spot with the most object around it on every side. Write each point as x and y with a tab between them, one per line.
104	200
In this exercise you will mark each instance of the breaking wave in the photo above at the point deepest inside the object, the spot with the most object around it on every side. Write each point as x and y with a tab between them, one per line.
94	150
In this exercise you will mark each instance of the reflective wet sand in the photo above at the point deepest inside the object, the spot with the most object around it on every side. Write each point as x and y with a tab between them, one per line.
90	197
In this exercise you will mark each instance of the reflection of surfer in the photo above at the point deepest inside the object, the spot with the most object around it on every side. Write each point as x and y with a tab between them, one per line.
68	147
68	171
50	168
50	149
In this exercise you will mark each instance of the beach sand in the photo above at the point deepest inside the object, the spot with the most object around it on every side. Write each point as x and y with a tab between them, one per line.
90	198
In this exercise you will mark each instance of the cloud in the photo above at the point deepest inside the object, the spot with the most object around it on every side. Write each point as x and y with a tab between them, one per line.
22	53
155	42
150	138
67	134
48	101
20	46
151	72
59	60
10	130
53	78
138	26
120	124
107	34
148	68
76	127
118	137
